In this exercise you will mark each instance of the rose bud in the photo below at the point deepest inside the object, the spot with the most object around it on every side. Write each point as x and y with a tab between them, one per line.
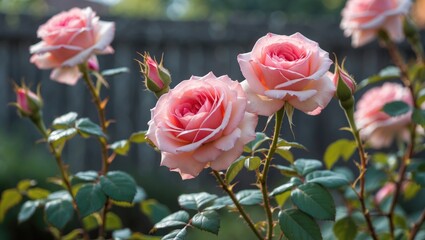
157	78
28	103
344	83
93	64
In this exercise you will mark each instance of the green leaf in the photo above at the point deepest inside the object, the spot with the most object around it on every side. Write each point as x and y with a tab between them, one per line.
62	194
58	212
296	225
285	154
287	171
74	234
113	221
154	210
234	169
345	229
115	71
87	175
252	163
23	185
65	121
256	143
281	198
120	147
196	201
314	200
305	166
138	137
283	143
282	188
37	193
119	186
342	148
179	218
179	234
27	210
396	108
85	126
91	221
122	234
220	203
207	221
59	136
249	197
390	72
418	117
9	199
410	190
327	179
90	198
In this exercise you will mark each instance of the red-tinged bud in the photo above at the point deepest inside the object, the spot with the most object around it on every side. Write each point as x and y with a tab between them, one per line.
344	83
28	103
157	77
93	64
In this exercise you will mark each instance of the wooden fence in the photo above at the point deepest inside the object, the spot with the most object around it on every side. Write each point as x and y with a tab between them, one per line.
189	48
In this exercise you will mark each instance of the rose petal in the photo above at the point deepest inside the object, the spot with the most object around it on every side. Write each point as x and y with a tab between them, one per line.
66	75
182	163
261	105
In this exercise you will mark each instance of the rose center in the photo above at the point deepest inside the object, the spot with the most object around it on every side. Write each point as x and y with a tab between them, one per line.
287	53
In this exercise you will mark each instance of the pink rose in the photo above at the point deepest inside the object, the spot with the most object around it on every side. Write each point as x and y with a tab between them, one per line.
71	38
362	19
201	123
377	127
28	103
386	191
289	69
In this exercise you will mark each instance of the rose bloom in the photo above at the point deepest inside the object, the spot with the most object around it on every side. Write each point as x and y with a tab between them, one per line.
362	19
377	127
289	69
71	38
201	123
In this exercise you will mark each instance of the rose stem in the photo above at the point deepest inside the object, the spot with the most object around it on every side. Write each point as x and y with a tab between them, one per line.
399	62
101	112
65	178
232	196
263	176
349	114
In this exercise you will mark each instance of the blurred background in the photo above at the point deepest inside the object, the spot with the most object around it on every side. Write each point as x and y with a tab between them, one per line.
195	37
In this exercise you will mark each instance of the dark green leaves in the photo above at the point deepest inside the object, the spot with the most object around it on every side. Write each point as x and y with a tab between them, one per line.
65	121
208	221
345	229
234	169
179	218
87	127
282	188
386	73
396	108
179	234
297	225
305	166
196	201
249	197
118	186
27	210
314	200
58	212
90	198
327	179
114	71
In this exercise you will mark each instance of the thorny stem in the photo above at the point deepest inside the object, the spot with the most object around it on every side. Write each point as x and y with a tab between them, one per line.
229	192
417	226
404	75
101	112
64	174
264	173
349	114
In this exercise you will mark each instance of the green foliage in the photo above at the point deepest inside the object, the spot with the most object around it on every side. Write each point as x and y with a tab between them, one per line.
118	186
249	197
113	221
252	163
27	210
207	221
65	121
114	71
314	200
196	201
327	179
305	166
179	234
86	127
297	225
282	188
37	193
396	108
345	229
234	169
154	210
179	218
9	199
90	198
58	212
387	73
342	148
120	147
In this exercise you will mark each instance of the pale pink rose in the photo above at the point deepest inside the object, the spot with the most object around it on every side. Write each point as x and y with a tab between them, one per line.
362	19
289	69
201	123
68	39
377	127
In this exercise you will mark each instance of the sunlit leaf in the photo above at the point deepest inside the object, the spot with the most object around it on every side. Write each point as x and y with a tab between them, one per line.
314	200
296	225
196	201
207	221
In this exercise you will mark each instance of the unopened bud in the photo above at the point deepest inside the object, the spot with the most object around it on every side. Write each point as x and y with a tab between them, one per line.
157	77
28	103
93	64
344	83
